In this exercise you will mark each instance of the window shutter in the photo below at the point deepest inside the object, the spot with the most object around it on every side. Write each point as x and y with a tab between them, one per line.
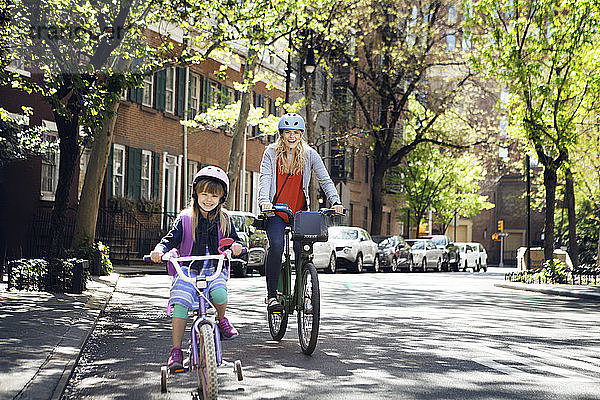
156	178
180	91
161	86
134	173
225	99
109	174
205	94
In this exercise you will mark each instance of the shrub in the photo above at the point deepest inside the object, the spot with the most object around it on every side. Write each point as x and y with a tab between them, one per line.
28	274
41	275
98	255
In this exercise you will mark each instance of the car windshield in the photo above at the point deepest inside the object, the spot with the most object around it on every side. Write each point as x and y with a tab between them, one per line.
418	245
344	234
438	240
389	242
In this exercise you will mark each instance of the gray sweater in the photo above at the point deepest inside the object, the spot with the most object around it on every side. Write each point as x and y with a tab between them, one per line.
267	183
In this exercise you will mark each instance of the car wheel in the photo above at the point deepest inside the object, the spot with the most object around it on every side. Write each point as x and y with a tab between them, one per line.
331	267
411	265
465	267
424	265
394	266
376	265
358	265
477	267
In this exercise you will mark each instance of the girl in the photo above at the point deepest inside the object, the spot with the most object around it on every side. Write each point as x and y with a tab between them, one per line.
285	173
209	223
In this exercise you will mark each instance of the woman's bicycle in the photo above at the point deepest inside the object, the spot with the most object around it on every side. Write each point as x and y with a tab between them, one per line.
304	296
204	354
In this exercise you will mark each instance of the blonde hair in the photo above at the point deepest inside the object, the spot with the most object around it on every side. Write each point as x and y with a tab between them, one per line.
281	151
193	209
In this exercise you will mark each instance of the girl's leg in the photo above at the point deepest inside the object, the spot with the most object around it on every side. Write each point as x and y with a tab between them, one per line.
178	323
275	232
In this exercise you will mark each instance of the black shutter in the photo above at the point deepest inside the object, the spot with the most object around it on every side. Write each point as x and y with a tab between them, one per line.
180	91
109	174
134	173
161	86
156	178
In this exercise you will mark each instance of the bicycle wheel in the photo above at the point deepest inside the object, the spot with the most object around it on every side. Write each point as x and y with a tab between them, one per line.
278	323
207	370
309	314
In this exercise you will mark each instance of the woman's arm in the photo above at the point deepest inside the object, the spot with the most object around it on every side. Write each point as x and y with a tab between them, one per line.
266	177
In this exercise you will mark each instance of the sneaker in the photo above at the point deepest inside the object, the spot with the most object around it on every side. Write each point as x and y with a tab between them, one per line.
274	306
227	330
175	362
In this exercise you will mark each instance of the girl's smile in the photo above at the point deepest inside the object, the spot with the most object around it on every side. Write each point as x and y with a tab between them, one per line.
208	201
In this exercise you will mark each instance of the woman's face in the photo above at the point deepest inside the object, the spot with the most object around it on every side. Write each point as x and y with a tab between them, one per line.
208	201
291	137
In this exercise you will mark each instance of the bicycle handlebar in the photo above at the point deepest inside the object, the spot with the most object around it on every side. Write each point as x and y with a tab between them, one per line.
286	209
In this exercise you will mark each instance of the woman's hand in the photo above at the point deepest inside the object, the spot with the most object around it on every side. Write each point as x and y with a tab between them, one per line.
339	208
237	249
266	206
156	256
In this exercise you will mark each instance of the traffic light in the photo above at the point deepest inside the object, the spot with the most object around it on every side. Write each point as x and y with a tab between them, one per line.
501	225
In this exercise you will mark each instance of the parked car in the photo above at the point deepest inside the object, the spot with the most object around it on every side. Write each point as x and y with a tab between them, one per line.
468	257
451	259
354	248
324	256
426	255
394	254
479	250
255	240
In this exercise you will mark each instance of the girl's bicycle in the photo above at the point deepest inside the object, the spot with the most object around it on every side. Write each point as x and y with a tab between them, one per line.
304	297
204	354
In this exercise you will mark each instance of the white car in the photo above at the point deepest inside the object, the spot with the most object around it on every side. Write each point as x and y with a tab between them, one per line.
425	254
354	248
324	256
472	256
481	254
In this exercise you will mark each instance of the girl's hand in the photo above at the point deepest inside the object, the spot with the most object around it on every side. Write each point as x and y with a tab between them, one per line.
156	256
237	249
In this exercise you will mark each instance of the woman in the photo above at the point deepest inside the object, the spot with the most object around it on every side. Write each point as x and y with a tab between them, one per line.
285	173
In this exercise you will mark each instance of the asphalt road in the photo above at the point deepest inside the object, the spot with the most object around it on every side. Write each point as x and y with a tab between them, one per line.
383	336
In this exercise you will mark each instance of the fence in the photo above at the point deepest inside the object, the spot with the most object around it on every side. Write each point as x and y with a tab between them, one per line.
579	276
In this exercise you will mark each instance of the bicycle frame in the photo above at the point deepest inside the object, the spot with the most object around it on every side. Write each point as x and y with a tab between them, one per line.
292	301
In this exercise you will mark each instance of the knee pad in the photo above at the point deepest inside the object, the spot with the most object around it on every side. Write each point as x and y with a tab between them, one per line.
179	311
219	295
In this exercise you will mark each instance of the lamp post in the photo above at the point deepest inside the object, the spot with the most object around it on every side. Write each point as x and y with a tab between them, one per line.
309	68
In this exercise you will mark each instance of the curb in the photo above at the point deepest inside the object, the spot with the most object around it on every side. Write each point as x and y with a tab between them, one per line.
52	377
583	293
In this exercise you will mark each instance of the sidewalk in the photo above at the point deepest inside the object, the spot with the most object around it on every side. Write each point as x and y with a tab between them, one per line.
41	335
589	292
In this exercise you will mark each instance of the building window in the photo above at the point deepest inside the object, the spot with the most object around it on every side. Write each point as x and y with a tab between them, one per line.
349	162
170	91
365	217
194	94
146	174
50	162
118	170
148	97
192	168
18	66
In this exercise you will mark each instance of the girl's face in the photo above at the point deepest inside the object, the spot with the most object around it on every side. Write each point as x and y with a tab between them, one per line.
208	201
291	137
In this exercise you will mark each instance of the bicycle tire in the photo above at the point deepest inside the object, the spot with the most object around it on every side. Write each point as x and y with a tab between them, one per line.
310	312
207	370
278	322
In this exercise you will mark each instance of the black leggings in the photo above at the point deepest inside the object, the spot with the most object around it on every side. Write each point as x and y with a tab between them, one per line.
275	233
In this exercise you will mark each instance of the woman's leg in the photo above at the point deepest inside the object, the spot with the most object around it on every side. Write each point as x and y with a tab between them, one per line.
275	232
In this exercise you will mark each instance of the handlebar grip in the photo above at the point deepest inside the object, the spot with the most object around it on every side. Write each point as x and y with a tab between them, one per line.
147	258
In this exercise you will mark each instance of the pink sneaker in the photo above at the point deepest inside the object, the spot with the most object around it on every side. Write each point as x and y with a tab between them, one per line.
175	362
227	330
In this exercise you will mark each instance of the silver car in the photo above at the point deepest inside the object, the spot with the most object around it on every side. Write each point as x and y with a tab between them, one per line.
354	248
426	255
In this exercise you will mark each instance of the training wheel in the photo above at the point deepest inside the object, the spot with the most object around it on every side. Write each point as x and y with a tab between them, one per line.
237	369
163	379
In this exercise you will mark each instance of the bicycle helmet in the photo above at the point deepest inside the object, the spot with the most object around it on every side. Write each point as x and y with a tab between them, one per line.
214	173
291	121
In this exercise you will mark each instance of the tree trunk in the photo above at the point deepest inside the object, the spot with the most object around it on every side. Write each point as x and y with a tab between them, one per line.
310	137
550	186
237	143
377	198
570	197
87	212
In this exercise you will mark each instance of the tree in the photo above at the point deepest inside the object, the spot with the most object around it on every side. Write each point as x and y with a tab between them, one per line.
402	79
538	50
439	180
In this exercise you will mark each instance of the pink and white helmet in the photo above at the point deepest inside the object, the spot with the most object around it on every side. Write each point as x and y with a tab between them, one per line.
215	173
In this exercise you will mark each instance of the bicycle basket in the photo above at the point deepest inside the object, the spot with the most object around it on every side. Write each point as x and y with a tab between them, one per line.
310	226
